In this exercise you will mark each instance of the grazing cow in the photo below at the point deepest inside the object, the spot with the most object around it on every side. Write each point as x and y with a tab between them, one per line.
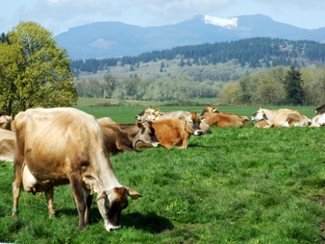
318	120
64	145
320	109
215	118
172	132
281	117
120	138
7	145
5	122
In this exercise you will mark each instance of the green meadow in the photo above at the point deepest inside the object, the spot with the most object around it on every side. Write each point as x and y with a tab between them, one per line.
233	185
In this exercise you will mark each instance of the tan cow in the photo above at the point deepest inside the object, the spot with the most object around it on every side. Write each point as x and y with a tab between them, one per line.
120	138
214	117
64	145
281	117
7	145
172	132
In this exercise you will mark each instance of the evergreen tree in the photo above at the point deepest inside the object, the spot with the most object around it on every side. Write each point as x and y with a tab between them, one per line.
293	84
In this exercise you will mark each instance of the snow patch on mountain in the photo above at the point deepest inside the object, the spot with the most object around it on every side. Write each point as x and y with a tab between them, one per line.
222	22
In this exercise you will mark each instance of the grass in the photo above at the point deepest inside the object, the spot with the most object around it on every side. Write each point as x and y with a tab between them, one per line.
241	185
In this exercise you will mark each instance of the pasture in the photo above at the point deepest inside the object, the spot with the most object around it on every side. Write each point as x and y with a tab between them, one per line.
233	185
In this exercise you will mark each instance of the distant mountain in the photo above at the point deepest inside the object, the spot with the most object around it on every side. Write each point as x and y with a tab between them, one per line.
116	39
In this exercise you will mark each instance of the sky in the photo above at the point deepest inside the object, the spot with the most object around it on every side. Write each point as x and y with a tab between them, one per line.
59	15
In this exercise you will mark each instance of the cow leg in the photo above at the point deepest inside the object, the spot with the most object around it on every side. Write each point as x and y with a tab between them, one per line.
77	189
16	185
89	199
49	193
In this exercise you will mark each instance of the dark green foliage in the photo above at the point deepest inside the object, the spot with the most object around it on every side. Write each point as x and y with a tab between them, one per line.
254	52
293	85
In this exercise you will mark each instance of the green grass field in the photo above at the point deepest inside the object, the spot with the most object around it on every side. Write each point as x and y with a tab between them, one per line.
234	185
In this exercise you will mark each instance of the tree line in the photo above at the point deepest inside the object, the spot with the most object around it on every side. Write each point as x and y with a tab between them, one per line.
253	52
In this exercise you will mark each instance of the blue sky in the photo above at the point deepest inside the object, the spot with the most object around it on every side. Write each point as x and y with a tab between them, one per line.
60	15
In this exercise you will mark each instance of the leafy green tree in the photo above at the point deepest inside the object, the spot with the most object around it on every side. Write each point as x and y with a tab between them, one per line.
41	75
295	94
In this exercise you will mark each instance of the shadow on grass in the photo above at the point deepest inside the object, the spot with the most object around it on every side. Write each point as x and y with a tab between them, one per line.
151	222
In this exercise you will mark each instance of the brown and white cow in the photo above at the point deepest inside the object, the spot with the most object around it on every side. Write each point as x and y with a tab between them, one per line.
214	117
64	145
7	145
281	117
318	120
120	138
172	132
320	109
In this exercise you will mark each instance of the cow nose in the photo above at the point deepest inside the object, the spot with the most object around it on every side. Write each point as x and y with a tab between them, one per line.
110	227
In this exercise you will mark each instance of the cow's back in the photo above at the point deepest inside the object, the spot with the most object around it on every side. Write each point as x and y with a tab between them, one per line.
48	139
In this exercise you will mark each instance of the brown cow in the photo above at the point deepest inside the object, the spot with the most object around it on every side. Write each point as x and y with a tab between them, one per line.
281	117
214	117
120	138
64	145
7	145
172	132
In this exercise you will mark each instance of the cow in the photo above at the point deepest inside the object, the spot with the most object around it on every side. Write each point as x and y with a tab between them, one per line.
262	124
5	121
281	117
58	146
320	109
120	138
7	145
214	117
173	132
150	114
318	120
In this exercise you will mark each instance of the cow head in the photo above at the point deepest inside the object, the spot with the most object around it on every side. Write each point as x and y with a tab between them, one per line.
112	202
193	124
149	114
259	115
209	109
146	136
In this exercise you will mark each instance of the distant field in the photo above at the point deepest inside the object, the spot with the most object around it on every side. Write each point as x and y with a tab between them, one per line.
242	185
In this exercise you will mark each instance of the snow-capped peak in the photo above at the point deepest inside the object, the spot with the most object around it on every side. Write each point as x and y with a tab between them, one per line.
223	22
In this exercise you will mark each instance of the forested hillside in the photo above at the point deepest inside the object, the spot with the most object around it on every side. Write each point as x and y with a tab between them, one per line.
254	52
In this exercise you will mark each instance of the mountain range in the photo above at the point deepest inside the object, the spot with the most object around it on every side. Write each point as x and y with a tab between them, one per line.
115	39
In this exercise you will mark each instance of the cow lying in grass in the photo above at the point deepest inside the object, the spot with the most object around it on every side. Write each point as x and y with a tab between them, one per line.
64	145
172	132
120	138
213	117
281	117
319	119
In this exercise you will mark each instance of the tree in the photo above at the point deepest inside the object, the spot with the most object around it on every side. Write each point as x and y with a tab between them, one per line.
293	84
40	74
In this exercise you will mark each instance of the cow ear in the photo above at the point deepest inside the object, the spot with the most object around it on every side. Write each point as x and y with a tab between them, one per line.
101	195
133	194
